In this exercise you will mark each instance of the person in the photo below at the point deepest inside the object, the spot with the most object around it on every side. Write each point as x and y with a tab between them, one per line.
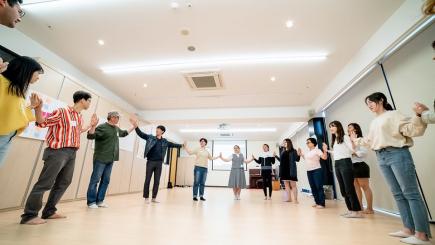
10	13
314	170
390	136
14	85
361	170
288	170
155	152
201	167
237	179
266	160
106	152
63	140
342	150
3	65
422	111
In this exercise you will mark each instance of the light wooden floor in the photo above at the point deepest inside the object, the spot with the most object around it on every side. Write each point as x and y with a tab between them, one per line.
219	220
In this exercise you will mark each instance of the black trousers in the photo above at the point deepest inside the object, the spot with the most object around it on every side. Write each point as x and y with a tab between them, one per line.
153	167
344	172
267	183
56	176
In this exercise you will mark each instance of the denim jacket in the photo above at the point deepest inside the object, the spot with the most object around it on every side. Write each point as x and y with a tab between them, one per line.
151	141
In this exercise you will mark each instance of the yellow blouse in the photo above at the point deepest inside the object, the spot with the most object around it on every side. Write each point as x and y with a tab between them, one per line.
14	115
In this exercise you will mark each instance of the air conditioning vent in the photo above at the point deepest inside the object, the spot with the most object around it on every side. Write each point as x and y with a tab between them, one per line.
226	134
207	80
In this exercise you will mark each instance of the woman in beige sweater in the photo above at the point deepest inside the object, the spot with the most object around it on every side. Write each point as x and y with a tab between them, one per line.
390	135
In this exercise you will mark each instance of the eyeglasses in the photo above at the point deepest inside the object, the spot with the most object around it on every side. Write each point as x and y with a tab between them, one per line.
21	13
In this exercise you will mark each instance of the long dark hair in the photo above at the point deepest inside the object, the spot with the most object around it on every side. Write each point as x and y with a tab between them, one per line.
339	135
19	73
357	128
289	146
379	98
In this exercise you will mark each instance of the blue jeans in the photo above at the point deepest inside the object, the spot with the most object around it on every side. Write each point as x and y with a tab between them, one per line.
101	173
200	175
315	178
398	169
5	143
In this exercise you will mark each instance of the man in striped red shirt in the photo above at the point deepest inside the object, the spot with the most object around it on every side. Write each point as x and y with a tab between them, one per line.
63	140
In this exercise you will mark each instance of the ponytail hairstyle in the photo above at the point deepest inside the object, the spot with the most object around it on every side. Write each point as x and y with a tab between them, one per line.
379	98
339	136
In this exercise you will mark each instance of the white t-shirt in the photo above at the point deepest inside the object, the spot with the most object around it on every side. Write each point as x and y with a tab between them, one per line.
312	159
343	150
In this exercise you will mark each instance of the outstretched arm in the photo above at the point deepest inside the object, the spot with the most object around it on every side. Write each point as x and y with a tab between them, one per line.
224	159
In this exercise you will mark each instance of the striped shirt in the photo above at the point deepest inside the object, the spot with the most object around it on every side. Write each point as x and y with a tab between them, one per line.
64	128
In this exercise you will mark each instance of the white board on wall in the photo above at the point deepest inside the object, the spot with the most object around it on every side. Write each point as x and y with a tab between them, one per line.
50	104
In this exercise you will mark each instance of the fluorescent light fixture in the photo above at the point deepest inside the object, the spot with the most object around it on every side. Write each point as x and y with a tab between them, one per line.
175	5
101	42
214	62
234	130
289	24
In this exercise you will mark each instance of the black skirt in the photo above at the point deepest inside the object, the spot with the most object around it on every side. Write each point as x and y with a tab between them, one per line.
361	170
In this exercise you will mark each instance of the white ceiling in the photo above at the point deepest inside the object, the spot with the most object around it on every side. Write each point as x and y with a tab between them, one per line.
137	31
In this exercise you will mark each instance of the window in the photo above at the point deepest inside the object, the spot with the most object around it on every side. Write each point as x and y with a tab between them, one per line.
226	147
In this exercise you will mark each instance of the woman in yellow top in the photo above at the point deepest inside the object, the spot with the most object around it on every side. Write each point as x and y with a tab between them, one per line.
14	84
201	166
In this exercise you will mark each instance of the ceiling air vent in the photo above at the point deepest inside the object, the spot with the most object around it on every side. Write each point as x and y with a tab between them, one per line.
226	134
208	80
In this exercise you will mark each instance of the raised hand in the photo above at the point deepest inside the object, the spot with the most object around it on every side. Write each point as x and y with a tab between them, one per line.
35	101
274	154
325	147
3	65
134	121
419	108
353	135
299	152
94	120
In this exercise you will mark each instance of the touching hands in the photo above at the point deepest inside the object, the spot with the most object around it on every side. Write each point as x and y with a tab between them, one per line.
419	108
94	120
35	101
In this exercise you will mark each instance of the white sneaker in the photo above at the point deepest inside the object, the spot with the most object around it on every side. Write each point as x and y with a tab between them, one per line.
414	240
147	200
154	201
93	206
400	234
102	205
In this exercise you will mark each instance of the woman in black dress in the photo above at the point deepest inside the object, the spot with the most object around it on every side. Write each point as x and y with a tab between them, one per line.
288	170
266	160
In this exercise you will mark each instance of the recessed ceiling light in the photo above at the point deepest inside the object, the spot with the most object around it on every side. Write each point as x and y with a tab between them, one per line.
175	5
273	79
145	85
289	24
101	42
191	48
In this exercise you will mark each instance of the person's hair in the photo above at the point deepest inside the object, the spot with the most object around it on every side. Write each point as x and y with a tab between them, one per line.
339	135
357	128
79	95
428	7
203	139
161	127
237	146
313	141
289	146
19	73
13	2
378	98
267	146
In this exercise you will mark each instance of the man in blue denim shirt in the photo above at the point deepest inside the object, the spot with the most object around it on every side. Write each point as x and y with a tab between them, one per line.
155	151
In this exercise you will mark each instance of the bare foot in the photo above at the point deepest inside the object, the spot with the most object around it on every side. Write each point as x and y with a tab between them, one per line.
320	207
296	202
35	221
368	211
315	205
57	216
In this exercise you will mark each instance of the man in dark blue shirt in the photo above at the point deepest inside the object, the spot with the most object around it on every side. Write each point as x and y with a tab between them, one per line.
155	151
